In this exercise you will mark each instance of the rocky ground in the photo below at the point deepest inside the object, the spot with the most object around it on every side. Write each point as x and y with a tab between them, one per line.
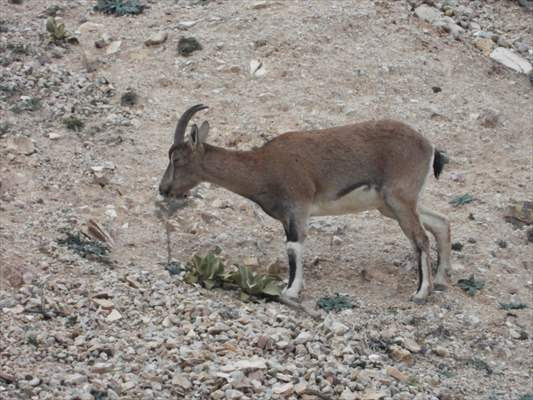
84	131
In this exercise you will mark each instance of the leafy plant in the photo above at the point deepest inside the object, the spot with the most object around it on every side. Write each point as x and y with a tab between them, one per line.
84	247
462	200
57	32
471	285
254	284
513	306
210	272
119	7
27	104
174	268
480	365
207	271
73	123
337	303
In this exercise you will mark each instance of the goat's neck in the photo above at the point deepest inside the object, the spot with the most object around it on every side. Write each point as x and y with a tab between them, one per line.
236	171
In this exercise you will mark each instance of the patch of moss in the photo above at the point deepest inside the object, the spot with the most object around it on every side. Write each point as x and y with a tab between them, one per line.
119	7
73	123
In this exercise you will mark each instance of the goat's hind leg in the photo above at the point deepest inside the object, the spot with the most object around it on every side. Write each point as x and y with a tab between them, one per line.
295	230
439	226
405	212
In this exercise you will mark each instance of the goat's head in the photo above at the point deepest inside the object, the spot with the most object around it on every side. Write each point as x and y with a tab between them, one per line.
185	157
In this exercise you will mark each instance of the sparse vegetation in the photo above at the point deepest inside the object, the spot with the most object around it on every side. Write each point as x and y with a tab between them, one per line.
210	272
187	46
27	104
119	7
334	303
513	306
90	249
73	123
5	127
57	32
471	285
462	200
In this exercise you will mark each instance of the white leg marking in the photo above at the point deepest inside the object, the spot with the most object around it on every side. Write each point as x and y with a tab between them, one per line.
294	290
439	226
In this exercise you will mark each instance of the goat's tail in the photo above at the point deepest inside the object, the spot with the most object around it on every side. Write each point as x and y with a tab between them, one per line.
439	161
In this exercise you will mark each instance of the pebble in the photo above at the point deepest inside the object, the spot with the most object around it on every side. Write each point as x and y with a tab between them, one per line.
156	39
400	354
440	351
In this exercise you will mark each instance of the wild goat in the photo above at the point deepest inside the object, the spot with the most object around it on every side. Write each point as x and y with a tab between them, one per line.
379	165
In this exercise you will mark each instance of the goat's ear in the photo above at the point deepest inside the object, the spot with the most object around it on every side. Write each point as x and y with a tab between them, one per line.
204	131
194	138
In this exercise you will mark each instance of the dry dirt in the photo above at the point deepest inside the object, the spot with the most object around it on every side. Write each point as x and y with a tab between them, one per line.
327	63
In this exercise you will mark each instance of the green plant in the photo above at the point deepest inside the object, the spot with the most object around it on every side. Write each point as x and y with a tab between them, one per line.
73	123
57	32
27	104
336	303
253	283
119	7
19	48
210	272
471	285
207	271
5	127
462	200
512	306
84	247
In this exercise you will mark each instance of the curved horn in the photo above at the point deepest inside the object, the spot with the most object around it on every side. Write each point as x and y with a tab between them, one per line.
179	133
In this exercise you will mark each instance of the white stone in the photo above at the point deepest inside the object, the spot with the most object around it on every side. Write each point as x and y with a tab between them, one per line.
255	363
184	25
509	59
257	69
156	38
181	380
283	389
113	316
113	47
427	13
303	337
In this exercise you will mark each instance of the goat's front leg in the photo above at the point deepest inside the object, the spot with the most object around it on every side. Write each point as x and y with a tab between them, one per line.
295	230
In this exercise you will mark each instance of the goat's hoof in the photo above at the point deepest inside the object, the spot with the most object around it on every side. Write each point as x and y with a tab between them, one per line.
440	287
418	299
290	294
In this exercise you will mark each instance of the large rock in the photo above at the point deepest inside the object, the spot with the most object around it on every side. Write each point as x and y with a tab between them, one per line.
427	13
509	59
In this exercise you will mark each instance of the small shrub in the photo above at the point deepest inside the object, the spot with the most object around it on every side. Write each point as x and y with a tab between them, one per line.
19	48
462	200
471	286
5	127
84	247
119	7
73	123
336	303
27	104
57	32
186	46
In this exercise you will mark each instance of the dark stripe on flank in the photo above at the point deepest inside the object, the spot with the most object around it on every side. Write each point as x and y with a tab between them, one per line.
348	189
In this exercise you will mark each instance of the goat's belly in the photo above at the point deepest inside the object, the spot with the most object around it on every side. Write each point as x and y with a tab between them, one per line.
358	200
